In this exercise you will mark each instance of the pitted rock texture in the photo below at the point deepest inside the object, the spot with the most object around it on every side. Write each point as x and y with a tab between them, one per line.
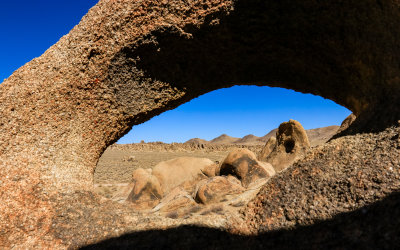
128	61
342	176
291	144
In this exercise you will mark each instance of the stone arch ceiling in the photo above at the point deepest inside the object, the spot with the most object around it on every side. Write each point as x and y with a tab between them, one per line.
128	61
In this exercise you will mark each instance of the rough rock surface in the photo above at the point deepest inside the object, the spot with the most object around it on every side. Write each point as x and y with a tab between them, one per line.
127	61
342	176
177	199
346	123
216	188
174	172
146	191
243	164
291	144
343	195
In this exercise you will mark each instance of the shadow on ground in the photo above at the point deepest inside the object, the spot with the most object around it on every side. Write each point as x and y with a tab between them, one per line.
376	226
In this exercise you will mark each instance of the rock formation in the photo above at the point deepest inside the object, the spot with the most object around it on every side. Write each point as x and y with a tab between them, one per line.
127	61
174	172
177	199
216	188
167	187
336	187
243	164
146	191
267	149
346	123
211	170
291	144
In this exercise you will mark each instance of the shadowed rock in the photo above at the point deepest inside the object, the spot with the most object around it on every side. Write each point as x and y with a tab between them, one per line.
146	192
177	199
291	144
122	193
215	188
243	164
346	123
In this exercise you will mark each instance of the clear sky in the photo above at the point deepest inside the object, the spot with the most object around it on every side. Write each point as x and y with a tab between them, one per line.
238	111
28	28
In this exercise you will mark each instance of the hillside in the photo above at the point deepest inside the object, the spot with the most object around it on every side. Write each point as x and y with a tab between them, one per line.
316	137
224	139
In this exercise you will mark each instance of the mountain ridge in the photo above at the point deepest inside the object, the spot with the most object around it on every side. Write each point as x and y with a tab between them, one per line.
316	137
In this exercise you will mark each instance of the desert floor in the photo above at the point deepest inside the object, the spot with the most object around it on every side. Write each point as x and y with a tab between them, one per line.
116	165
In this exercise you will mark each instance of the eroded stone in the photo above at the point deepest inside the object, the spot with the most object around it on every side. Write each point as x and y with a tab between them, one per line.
173	173
215	188
291	144
177	199
243	164
146	192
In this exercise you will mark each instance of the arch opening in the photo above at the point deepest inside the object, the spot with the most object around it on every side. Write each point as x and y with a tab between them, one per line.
289	145
212	125
255	45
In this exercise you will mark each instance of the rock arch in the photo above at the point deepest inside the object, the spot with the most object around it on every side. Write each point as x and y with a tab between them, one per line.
128	61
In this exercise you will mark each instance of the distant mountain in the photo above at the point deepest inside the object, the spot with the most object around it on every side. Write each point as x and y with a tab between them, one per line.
197	141
316	136
249	139
224	139
269	135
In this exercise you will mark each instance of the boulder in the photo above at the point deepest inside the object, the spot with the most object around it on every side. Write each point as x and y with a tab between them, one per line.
178	198
146	192
174	172
291	144
211	170
267	149
216	188
243	164
346	123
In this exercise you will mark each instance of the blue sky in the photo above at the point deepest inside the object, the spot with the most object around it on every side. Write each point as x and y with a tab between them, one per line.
238	111
28	28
